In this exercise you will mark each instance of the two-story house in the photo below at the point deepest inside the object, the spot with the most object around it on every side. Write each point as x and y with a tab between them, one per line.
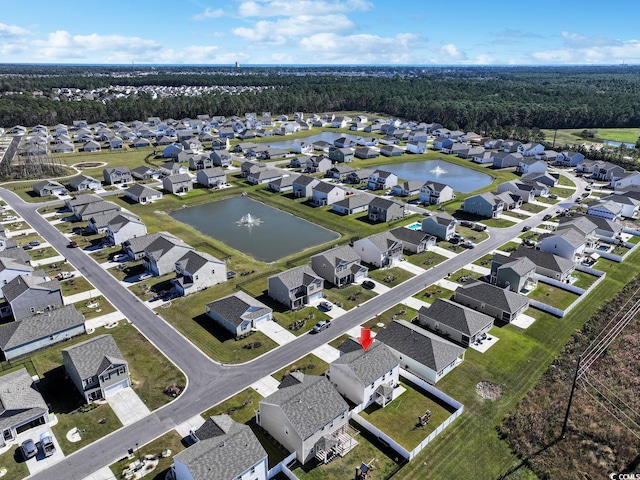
123	227
81	183
96	367
116	175
435	193
177	184
441	225
211	177
385	210
382	250
382	180
516	274
197	271
324	193
30	294
161	255
485	205
296	287
339	266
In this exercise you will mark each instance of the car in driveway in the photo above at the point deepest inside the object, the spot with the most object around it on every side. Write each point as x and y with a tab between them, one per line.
47	445
325	305
28	449
120	257
145	276
368	284
27	247
320	326
34	243
546	217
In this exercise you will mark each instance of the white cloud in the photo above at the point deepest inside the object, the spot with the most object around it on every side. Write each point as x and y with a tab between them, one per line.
451	52
279	31
483	59
9	31
580	49
209	13
288	8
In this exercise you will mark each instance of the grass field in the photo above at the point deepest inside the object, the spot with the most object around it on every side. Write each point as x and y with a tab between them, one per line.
554	296
390	277
426	259
429	294
308	315
531	207
470	447
571	136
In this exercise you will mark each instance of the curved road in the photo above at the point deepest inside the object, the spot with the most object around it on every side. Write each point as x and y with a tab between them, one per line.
209	382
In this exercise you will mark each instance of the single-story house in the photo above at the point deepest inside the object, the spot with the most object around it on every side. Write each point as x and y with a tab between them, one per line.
352	204
142	194
47	188
455	322
238	313
504	305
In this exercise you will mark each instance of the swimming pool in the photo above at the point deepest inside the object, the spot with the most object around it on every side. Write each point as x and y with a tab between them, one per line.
414	226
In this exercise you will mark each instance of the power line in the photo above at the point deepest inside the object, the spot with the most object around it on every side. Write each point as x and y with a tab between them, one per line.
617	407
593	377
612	414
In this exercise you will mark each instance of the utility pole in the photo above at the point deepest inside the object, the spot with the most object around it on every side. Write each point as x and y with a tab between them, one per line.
555	132
573	389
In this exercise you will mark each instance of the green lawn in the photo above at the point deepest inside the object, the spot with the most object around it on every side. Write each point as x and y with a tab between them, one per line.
104	254
484	261
16	470
565	182
550	201
368	450
348	297
103	305
390	277
429	294
309	365
532	207
53	269
29	237
399	312
75	285
305	319
562	192
464	275
583	280
426	259
509	247
187	316
554	296
38	254
519	216
170	440
571	136
634	239
498	222
399	418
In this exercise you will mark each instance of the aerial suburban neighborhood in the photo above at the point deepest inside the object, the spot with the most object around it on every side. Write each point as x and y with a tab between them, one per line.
303	291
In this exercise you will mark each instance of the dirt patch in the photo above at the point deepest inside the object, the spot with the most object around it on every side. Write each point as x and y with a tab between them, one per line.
89	165
489	391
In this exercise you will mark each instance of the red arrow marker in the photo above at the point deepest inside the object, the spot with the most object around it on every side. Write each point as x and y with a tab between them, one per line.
365	338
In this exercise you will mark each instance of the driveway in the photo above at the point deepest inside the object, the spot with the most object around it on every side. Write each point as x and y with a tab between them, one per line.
127	406
39	462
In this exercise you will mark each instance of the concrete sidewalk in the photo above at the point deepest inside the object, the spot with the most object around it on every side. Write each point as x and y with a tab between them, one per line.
411	268
326	352
477	269
185	428
104	473
107	319
266	386
276	333
414	303
79	297
47	261
442	251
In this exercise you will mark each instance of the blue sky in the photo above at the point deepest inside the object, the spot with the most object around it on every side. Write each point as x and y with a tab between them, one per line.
364	32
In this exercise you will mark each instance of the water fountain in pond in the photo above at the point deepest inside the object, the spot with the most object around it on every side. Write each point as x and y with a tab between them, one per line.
438	171
249	220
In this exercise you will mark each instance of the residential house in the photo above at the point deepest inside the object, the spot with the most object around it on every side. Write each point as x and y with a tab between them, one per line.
352	204
296	287
64	147
455	322
516	274
91	146
531	165
525	191
629	204
341	122
7	243
324	193
382	250
47	188
435	193
96	367
569	244
418	136
31	294
414	241
442	143
340	172
341	155
510	146
416	147
135	247
485	205
343	142
239	313
391	151
367	376
39	331
211	177
249	167
172	151
607	171
303	186
625	180
484	157
10	268
23	407
123	227
274	153
385	210
605	229
366	152
81	200
504	305
221	158
224	450
367	141
283	184
177	184
173	168
115	175
420	352
142	194
547	264
544	178
470	152
143	173
88	210
407	189
161	255
441	225
530	149
307	416
263	176
356	177
506	159
605	209
197	271
339	266
317	164
382	180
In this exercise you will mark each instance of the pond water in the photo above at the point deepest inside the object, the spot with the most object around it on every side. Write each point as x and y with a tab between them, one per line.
262	232
325	136
613	143
461	179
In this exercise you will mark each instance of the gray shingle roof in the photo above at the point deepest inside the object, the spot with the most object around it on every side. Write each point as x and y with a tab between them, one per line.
78	179
384	241
456	316
370	365
354	201
503	299
418	344
22	283
29	329
213	172
17	254
142	190
231	450
179	178
121	219
545	260
294	277
324	187
581	223
335	256
88	357
96	208
521	266
238	307
19	399
83	200
193	261
409	236
309	405
304	180
384	203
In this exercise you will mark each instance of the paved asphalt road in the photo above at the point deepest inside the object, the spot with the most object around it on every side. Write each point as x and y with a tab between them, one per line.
209	382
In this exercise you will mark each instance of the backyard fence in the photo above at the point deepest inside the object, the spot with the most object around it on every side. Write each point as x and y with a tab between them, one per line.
282	468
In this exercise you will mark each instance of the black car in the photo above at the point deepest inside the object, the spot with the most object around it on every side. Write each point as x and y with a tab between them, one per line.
546	217
368	284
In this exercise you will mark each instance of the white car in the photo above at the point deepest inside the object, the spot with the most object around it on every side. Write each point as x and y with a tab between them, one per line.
120	257
145	276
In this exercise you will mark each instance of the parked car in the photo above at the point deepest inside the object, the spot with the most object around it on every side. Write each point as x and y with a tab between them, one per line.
27	247
325	305
73	244
368	284
468	244
28	449
46	442
553	196
145	276
546	217
320	326
64	275
120	257
526	228
34	243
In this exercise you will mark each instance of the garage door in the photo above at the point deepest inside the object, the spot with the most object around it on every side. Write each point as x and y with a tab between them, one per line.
115	387
315	296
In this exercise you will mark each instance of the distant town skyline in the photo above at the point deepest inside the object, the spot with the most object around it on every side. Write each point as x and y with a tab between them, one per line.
340	32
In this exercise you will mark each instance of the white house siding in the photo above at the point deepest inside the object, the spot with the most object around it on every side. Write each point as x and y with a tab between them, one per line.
43	342
368	252
342	377
418	368
131	230
273	420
